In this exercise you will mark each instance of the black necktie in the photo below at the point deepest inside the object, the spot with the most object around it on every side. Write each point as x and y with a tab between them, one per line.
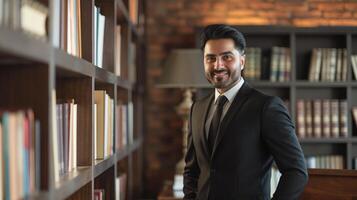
214	128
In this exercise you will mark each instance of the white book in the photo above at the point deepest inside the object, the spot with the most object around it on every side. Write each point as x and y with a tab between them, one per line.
354	65
117	188
106	132
101	27
95	35
75	38
131	122
344	65
56	25
95	130
75	110
69	27
70	138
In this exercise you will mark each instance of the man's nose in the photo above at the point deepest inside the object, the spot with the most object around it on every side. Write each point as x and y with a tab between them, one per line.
219	63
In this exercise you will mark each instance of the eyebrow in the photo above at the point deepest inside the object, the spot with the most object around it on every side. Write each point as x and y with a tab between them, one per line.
223	53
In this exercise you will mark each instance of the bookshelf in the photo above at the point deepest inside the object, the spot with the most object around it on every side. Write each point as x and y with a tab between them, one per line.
39	72
301	42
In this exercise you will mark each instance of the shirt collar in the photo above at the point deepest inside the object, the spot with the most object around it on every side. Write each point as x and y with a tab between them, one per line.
231	93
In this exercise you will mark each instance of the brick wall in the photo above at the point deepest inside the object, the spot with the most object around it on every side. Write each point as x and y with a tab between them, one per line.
171	24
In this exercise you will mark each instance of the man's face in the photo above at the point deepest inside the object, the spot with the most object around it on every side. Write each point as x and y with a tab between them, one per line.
223	63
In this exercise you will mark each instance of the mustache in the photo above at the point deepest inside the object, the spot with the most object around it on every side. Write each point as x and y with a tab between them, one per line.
219	71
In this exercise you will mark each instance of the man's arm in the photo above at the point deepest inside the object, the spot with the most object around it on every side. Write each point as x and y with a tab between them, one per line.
279	135
192	170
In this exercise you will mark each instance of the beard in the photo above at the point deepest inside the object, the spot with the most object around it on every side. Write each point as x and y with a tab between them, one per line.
222	78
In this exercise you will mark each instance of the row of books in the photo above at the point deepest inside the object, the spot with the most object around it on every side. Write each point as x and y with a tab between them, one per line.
31	16
19	154
321	118
280	64
67	33
27	15
328	64
325	162
66	120
104	124
354	65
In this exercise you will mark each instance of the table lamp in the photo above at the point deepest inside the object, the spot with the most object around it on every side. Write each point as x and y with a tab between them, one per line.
183	69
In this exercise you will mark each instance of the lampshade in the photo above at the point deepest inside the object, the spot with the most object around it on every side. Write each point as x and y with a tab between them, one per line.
184	69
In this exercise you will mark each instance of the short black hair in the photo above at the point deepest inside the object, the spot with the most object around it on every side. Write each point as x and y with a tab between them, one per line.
222	31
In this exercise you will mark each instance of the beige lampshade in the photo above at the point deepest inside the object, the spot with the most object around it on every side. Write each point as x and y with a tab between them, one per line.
184	69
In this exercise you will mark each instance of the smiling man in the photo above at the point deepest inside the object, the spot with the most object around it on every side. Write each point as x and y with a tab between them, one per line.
237	132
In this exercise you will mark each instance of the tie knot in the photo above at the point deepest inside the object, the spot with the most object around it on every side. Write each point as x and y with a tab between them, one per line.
221	100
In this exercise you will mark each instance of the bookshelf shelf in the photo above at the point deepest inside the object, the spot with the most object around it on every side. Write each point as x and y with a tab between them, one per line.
101	166
309	83
324	140
18	47
73	64
105	76
57	79
72	182
270	84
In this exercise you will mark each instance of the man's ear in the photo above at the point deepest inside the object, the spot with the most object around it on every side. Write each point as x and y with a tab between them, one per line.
242	62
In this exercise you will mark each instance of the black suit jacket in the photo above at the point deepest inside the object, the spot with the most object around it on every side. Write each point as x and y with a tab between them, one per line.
256	130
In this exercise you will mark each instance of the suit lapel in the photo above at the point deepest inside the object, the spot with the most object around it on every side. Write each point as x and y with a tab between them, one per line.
237	103
204	109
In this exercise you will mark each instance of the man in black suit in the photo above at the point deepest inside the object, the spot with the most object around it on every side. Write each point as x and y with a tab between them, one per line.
237	132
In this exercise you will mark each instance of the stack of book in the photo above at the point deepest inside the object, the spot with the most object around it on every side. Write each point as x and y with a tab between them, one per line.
252	68
67	135
104	124
321	118
19	154
325	162
280	67
328	64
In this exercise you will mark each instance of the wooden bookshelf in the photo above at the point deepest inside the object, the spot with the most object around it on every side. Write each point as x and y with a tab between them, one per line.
301	42
37	74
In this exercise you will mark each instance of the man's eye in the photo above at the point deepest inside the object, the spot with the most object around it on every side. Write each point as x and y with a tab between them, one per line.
227	57
211	59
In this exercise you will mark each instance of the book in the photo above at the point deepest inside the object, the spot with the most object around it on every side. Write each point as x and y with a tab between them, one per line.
326	118
343	118
335	124
308	118
100	101
354	115
317	118
354	65
33	18
300	116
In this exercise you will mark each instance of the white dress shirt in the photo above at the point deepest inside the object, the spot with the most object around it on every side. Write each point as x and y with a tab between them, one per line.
230	94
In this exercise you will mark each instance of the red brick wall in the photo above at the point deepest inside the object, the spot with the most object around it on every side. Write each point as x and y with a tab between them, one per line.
171	24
